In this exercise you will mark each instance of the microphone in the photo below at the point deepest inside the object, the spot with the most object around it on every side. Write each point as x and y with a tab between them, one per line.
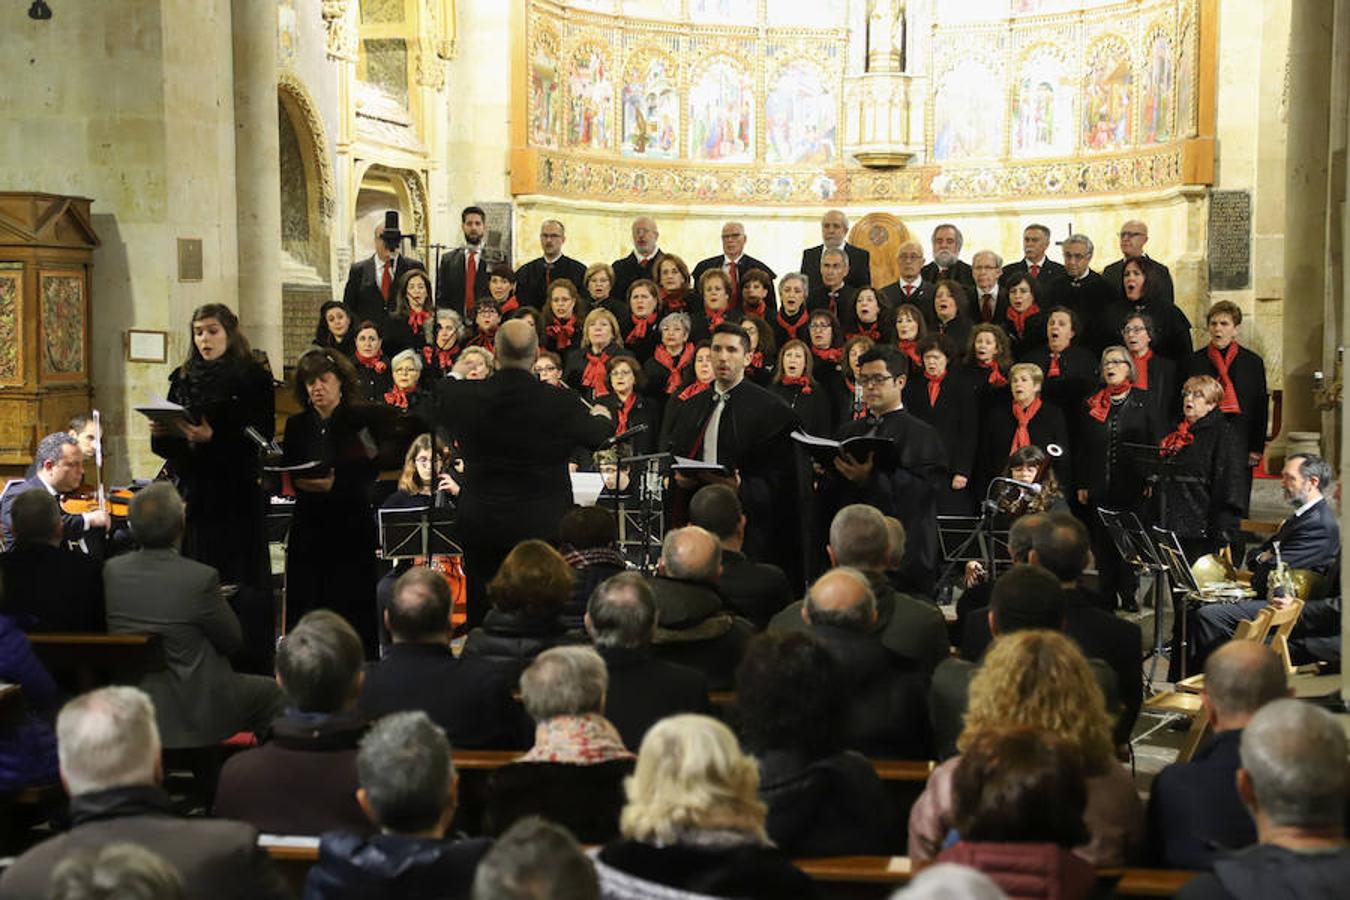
1030	487
610	442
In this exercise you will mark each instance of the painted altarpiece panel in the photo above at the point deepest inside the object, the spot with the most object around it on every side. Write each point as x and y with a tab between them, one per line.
590	98
545	91
61	295
1157	110
1107	96
650	103
1043	106
722	113
968	113
11	341
801	116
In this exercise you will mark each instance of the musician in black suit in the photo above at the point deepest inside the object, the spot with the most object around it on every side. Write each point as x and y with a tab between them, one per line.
947	242
737	264
1133	237
370	282
1240	372
1309	539
59	466
515	435
642	262
833	228
1035	241
533	278
462	276
1084	292
832	291
910	286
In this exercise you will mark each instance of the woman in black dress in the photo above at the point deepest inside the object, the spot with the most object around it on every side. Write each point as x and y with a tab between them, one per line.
600	342
910	328
441	352
330	552
562	317
943	396
672	364
405	393
336	328
627	405
949	318
763	350
639	324
372	369
413	308
1025	419
790	320
1171	334
599	283
872	316
793	382
673	284
1022	318
1153	373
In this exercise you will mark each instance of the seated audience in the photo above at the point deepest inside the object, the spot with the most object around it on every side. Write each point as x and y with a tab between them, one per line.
109	748
574	773
1018	797
27	742
756	591
909	627
1194	811
693	625
949	881
115	872
1295	783
409	790
467	697
199	700
47	586
302	780
1039	679
528	595
694	825
643	690
536	860
58	469
589	541
823	799
881	694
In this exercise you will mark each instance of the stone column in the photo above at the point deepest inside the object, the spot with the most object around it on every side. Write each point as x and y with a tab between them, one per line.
1305	239
257	174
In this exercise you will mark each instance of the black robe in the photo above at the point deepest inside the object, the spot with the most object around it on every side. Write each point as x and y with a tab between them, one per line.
996	436
812	409
1076	380
956	418
1205	511
1090	299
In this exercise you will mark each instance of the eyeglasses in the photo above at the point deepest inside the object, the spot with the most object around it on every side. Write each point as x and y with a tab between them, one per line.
1134	329
819	326
875	380
1115	362
911	256
736	234
539	370
1069	255
1127	235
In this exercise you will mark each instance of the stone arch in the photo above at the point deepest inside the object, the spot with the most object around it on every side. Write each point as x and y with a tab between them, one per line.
308	190
380	188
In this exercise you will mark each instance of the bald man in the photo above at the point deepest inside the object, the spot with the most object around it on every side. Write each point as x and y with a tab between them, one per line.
515	434
833	230
641	263
533	278
736	263
1133	237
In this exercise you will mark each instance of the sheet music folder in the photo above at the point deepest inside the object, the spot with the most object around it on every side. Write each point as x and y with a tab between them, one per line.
422	531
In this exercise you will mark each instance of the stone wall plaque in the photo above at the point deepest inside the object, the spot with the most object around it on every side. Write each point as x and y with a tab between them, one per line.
1230	240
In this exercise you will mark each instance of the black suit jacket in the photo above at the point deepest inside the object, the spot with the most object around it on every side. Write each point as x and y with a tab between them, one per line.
743	265
754	590
922	297
362	293
515	436
450	276
1194	812
72	526
533	278
50	588
1310	541
1050	271
859	266
1115	277
643	690
1248	372
627	271
959	271
1089	298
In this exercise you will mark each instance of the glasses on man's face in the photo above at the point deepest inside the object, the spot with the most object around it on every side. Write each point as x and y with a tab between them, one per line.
1131	235
1071	255
911	256
874	380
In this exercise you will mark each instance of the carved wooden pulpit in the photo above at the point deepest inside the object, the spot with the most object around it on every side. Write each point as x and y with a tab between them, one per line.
46	253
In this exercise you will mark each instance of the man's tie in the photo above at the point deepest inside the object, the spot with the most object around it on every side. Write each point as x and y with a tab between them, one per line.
942	273
548	274
735	282
712	429
1035	270
470	276
387	279
909	291
987	308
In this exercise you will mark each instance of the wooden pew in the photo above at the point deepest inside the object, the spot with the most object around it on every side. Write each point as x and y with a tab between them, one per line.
82	661
907	770
293	855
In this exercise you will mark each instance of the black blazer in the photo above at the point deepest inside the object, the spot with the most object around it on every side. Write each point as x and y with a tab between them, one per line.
859	266
996	437
1115	278
1310	541
819	298
743	265
533	278
450	277
643	690
922	297
627	271
960	272
362	293
956	416
1050	271
1164	390
1103	466
1248	372
1089	298
1211	506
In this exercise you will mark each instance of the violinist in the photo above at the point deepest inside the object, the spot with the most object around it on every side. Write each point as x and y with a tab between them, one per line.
59	470
87	433
217	466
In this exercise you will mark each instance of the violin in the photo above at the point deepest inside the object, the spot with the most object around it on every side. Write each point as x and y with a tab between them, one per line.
86	499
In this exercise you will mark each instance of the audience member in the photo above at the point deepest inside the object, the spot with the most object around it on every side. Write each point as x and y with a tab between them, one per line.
949	881
536	860
409	790
693	625
27	742
589	541
756	591
643	690
574	773
1194	811
302	780
199	700
109	748
1293	780
909	627
47	586
467	697
694	825
1017	805
823	799
115	872
1038	678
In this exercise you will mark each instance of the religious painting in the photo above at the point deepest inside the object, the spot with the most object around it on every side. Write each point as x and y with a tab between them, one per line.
590	96
1043	106
968	113
1186	68
800	117
724	12
1106	97
651	109
545	91
11	288
62	298
1156	111
722	113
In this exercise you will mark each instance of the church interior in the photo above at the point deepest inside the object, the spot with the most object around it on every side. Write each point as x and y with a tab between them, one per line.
166	154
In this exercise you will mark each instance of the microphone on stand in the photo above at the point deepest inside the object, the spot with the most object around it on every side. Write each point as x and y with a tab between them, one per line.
1030	487
611	441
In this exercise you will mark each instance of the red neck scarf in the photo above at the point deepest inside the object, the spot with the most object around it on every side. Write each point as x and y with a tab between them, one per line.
640	326
397	396
674	300
1023	416
1019	319
1177	440
375	363
716	318
831	355
624	409
791	328
753	307
509	305
1141	369
594	375
562	331
756	360
417	319
934	387
672	365
1099	404
996	378
1053	371
441	359
695	389
484	339
1221	361
873	331
798	381
911	349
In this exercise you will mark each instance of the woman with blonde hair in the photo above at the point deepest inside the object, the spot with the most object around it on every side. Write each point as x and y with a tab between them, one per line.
694	824
1040	679
599	343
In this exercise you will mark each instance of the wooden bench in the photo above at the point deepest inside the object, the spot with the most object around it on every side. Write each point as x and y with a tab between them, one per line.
908	770
82	661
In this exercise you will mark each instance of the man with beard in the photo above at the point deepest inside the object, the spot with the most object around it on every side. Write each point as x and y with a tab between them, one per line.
462	276
947	264
641	263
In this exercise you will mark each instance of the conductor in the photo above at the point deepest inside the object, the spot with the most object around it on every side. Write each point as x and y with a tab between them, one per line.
515	435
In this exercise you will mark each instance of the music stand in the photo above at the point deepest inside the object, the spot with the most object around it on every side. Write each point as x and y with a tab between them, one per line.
424	531
647	521
1131	541
965	539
